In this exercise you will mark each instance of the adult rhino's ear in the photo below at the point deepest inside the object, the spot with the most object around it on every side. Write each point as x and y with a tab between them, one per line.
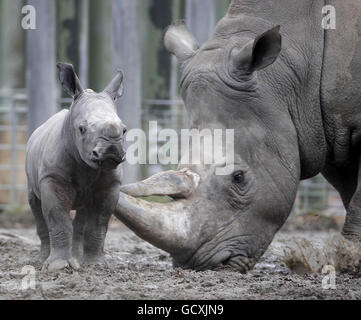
180	41
69	80
260	53
115	88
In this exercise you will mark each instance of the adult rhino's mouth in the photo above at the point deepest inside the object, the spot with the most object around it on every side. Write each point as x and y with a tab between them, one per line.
223	249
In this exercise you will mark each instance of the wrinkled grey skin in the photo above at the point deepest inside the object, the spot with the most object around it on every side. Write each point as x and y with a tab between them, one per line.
293	97
72	162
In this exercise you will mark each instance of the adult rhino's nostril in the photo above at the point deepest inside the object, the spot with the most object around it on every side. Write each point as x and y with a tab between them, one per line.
95	154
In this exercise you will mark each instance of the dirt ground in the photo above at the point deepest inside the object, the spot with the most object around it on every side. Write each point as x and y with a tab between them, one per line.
136	270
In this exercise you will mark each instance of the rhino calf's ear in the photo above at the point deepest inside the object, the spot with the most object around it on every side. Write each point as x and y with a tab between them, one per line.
115	88
260	53
69	80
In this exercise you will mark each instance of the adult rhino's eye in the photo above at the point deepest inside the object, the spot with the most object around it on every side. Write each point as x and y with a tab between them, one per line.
238	177
82	129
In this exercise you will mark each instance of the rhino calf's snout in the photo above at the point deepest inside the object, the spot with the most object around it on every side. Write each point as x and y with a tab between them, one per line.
115	154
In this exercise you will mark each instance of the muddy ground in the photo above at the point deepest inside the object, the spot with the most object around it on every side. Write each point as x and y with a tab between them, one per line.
136	270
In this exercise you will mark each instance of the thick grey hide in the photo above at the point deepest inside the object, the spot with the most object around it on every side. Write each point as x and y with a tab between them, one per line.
292	92
72	162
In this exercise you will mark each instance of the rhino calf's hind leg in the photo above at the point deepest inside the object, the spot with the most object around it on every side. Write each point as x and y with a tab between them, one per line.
41	227
57	201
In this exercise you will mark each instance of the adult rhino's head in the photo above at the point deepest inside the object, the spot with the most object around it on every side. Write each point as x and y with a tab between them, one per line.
93	124
223	219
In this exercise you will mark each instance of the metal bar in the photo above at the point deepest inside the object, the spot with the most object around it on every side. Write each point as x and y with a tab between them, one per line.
6	167
9	146
163	102
18	110
11	187
7	128
13	171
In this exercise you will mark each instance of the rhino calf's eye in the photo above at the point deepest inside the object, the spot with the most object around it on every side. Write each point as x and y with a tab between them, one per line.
238	177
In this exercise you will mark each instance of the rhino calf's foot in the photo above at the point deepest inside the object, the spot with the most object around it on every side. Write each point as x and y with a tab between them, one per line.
94	259
60	264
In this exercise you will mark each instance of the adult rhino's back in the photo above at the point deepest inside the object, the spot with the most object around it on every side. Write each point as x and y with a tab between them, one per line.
341	74
325	68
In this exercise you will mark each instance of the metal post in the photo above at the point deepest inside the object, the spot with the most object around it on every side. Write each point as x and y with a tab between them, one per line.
126	55
100	43
83	22
40	51
201	18
14	160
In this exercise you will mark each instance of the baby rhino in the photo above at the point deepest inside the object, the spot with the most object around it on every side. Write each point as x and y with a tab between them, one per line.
72	164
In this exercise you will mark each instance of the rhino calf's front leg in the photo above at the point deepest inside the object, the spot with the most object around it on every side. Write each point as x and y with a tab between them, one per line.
97	220
94	236
57	199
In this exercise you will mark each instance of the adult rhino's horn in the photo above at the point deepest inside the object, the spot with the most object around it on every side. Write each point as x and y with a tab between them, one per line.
165	225
177	184
180	41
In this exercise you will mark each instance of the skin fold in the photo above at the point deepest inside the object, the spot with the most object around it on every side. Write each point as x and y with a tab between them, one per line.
72	163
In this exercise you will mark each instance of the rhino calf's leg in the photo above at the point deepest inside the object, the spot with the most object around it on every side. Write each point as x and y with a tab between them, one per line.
94	236
98	216
41	227
79	224
57	199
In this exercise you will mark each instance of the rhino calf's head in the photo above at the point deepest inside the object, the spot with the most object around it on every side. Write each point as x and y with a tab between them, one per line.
96	130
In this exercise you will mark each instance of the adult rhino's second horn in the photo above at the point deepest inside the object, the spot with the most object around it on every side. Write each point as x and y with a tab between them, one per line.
165	225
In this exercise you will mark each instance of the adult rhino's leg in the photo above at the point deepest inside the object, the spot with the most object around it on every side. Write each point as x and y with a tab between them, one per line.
41	227
352	227
56	201
96	227
347	181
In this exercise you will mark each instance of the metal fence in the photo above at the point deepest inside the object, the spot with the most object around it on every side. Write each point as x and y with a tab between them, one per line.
315	195
13	113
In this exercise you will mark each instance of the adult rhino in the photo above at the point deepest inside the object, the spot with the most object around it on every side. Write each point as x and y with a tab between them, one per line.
295	108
